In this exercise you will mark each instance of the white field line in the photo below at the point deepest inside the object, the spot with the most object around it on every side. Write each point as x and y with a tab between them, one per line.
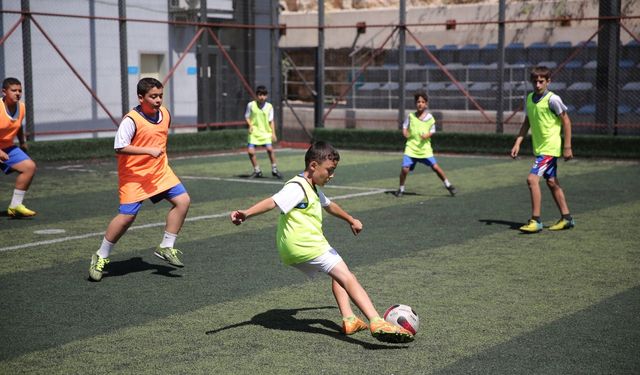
151	225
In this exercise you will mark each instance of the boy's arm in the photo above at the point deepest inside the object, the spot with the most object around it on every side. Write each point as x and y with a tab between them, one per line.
567	152
337	211
523	132
22	140
274	137
268	204
137	150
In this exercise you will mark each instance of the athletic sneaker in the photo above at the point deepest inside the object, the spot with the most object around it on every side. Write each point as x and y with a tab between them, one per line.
452	190
20	211
563	224
352	325
170	255
532	227
276	174
387	332
97	266
398	193
256	174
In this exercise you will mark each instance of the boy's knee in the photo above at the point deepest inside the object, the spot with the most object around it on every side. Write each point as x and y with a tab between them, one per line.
553	184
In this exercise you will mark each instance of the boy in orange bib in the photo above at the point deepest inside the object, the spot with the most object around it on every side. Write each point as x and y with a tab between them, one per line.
144	172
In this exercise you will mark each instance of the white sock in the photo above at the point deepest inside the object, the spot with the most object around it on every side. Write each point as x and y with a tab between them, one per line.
402	188
274	167
105	248
168	240
447	183
18	196
256	169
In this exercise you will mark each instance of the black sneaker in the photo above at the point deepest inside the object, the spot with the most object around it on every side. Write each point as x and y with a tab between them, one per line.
398	193
256	174
276	174
452	190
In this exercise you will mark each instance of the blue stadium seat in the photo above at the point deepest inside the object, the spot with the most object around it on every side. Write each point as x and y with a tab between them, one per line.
589	71
515	53
631	51
589	50
630	94
469	53
570	72
627	71
448	53
561	50
579	94
478	71
414	86
589	109
538	51
489	53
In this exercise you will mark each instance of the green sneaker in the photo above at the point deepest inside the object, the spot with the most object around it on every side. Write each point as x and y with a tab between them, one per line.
97	266
170	255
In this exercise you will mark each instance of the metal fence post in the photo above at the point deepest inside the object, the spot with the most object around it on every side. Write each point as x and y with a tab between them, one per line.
28	71
124	64
319	103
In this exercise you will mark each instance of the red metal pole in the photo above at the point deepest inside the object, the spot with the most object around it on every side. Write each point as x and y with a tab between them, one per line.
6	36
233	66
184	54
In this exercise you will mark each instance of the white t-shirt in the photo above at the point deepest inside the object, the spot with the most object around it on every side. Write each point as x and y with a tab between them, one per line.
247	112
127	130
292	194
426	116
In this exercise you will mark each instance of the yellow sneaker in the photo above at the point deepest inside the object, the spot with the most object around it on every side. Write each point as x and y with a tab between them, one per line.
387	332
563	224
532	227
20	211
352	325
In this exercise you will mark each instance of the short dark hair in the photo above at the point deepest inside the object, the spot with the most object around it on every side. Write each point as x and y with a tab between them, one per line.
146	84
10	81
261	90
420	94
540	71
319	152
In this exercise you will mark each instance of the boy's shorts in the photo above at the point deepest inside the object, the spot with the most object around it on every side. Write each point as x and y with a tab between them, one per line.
323	263
545	166
408	161
133	208
16	155
251	145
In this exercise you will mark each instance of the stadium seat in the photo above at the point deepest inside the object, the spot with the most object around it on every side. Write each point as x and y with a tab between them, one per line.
630	94
538	51
549	64
631	51
478	71
457	70
413	87
589	71
448	53
627	71
489	53
369	95
579	94
570	72
589	50
454	98
515	53
469	53
561	50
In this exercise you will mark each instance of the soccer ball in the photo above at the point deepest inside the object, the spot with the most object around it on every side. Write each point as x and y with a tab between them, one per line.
403	316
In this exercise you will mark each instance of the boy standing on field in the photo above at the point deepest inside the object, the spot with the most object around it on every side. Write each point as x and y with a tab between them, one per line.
418	128
546	115
301	242
144	172
262	131
12	157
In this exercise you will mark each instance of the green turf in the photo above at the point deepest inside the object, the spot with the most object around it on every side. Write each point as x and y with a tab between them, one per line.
491	300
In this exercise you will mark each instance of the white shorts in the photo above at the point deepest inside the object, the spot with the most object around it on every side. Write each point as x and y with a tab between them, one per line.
323	263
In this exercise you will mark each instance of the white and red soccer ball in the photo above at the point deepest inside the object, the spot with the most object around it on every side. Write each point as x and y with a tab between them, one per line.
403	316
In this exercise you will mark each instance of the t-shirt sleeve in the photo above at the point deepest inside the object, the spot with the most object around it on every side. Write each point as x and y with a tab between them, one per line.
405	124
270	113
324	201
247	112
289	197
125	133
556	105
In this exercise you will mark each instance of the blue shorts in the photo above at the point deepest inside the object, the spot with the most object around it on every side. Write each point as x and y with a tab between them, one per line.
251	145
16	155
408	161
545	166
133	208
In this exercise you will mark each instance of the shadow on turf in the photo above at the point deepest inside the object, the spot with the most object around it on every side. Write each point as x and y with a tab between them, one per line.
393	192
284	320
511	224
124	267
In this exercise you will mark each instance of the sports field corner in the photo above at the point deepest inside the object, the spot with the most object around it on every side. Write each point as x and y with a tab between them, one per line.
490	299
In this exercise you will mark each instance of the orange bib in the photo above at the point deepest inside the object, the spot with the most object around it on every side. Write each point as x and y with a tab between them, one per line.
143	176
8	126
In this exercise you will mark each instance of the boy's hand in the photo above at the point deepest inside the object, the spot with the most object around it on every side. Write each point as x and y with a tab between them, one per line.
250	129
155	152
356	226
237	217
567	153
3	156
24	147
514	151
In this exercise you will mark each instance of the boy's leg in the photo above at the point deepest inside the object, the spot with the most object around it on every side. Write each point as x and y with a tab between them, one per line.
251	151
404	171
534	225
566	221
175	220
26	169
350	323
274	166
436	168
116	229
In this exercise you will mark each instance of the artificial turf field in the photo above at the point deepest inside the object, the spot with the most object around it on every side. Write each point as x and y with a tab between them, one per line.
491	300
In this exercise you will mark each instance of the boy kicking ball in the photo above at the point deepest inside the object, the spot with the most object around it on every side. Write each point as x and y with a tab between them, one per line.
301	242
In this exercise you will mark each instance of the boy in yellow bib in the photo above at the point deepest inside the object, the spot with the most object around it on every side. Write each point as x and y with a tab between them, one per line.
301	242
418	128
546	115
262	131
